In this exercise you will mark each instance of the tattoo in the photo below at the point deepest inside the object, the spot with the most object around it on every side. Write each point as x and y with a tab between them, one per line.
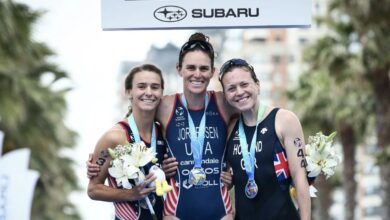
102	158
300	153
303	163
298	142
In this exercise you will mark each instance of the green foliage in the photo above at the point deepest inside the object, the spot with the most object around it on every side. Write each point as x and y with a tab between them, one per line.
348	75
32	112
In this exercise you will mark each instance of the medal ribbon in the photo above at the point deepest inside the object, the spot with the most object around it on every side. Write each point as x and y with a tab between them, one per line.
249	157
134	129
197	140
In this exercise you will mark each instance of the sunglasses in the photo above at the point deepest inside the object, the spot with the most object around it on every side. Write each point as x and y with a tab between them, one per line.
203	45
235	63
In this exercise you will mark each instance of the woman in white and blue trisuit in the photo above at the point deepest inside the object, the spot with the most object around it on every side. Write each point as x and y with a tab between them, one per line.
265	150
144	87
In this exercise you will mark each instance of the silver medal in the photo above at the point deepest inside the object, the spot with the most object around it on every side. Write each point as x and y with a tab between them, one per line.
251	189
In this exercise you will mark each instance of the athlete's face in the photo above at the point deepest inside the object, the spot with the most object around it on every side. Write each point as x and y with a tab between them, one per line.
147	91
196	71
240	90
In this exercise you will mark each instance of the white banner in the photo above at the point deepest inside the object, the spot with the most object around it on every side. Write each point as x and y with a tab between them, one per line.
185	14
17	185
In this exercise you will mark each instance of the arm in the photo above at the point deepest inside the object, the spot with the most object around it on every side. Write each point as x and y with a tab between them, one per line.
96	188
169	164
227	174
164	110
227	110
289	131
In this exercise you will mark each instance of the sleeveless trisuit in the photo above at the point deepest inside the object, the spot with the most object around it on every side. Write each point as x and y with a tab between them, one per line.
272	175
210	201
132	210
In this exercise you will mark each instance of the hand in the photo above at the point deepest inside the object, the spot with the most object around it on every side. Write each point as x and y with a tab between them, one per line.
227	178
92	168
142	190
169	166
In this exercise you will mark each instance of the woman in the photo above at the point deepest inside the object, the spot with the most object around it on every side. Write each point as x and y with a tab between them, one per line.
144	86
262	174
195	126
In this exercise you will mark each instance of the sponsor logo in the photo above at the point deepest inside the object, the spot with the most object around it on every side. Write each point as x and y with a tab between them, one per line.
225	13
179	111
173	13
264	130
186	184
170	13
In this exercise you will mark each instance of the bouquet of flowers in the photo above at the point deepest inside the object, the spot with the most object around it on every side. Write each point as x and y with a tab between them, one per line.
321	156
127	162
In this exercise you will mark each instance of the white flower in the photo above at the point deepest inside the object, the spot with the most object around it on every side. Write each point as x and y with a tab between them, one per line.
141	155
127	163
321	155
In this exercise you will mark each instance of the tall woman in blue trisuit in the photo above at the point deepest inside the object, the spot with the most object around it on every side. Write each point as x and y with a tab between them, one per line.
195	126
264	149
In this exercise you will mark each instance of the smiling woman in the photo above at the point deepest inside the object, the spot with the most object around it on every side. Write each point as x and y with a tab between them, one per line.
263	149
144	87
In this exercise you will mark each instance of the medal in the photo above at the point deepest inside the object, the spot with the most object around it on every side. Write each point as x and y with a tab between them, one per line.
197	176
251	189
248	155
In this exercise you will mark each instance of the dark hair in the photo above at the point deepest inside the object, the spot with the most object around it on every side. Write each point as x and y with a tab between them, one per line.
145	67
197	41
236	63
137	69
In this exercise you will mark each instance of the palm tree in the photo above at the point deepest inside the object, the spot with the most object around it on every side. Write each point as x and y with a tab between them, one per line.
327	97
370	22
32	111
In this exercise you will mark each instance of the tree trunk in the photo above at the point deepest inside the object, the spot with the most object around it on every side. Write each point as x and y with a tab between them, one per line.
381	81
324	200
348	140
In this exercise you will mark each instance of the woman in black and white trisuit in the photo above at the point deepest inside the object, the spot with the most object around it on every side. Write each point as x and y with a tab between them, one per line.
264	149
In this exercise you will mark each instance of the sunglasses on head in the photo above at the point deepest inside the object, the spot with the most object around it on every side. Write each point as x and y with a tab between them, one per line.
203	45
235	63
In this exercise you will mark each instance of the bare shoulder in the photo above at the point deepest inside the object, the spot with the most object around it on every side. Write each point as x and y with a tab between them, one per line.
285	116
165	109
226	109
287	124
168	99
112	137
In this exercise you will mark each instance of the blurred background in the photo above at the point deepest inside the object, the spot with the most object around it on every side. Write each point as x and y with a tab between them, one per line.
61	87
